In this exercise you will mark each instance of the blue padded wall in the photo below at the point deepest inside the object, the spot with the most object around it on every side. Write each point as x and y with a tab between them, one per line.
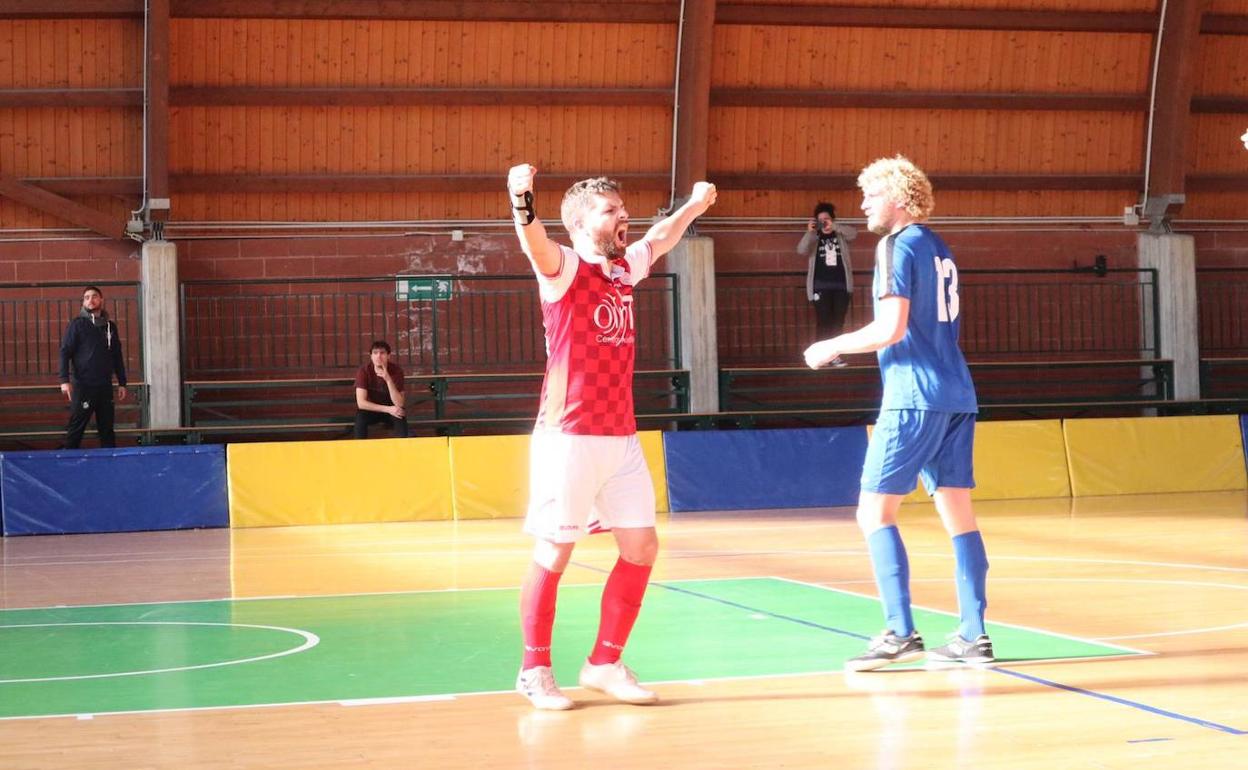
1243	434
734	470
113	490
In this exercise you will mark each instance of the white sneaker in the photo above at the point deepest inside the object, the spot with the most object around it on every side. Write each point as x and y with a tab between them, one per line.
616	680
538	685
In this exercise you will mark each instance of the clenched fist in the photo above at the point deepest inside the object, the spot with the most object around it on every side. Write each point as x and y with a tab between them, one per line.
820	354
703	194
520	179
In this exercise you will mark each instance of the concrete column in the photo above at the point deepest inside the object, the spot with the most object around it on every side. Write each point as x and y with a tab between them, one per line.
162	356
693	262
1174	258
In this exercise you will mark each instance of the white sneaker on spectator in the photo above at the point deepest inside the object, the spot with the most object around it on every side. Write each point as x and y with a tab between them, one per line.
616	680
538	685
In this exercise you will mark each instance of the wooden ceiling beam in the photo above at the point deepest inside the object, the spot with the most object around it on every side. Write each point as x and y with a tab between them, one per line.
61	207
1217	182
431	10
1223	24
729	180
1174	86
754	97
71	9
382	97
604	12
125	186
389	183
1223	105
989	182
234	96
71	97
693	113
156	131
933	18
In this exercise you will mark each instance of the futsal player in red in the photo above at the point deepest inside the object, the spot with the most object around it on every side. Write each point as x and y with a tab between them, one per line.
587	472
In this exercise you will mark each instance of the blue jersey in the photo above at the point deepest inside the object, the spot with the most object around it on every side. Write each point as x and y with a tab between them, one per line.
925	369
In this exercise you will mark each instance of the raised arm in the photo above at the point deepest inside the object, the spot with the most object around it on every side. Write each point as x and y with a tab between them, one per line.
806	246
541	251
667	232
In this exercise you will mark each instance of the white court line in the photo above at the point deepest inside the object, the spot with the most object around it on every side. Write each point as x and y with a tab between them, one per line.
18	562
949	555
1191	631
444	697
310	640
395	699
368	547
478	553
1019	626
301	597
1189	583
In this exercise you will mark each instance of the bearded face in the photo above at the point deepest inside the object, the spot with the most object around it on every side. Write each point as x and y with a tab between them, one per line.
92	301
605	221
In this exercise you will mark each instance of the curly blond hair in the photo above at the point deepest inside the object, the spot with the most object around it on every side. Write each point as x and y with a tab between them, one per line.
578	196
903	183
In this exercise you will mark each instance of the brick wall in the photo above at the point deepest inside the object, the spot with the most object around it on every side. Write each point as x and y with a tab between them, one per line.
498	253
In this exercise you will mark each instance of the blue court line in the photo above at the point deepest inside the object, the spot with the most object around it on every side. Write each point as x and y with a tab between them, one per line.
1124	702
1008	672
736	605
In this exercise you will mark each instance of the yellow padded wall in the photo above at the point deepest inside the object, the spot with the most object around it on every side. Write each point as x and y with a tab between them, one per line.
1132	455
338	482
1020	459
652	448
1016	459
490	474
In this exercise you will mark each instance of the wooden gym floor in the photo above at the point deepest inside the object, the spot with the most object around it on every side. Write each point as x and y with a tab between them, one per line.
1122	625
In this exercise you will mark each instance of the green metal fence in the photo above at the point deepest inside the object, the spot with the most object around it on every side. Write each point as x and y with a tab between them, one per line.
33	317
765	318
1222	300
251	328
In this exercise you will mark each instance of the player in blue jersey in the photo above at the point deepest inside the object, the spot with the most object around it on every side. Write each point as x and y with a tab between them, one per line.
926	426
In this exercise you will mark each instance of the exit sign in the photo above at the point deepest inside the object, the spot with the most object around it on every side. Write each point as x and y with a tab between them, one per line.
425	287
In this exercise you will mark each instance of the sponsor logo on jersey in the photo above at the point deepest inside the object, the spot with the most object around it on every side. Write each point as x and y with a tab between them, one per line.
614	319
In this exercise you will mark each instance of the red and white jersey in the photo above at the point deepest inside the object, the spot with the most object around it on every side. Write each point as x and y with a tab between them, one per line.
587	309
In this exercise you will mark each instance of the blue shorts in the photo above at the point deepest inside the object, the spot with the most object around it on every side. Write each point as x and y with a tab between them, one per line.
909	443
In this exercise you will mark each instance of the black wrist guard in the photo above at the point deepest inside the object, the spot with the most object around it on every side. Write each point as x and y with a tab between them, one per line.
523	214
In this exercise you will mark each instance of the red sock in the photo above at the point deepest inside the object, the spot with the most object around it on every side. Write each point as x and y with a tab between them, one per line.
621	601
537	614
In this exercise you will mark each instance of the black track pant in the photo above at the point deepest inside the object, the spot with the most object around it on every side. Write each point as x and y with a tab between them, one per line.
88	400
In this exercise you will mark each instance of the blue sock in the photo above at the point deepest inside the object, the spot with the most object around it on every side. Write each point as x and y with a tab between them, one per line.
892	576
972	575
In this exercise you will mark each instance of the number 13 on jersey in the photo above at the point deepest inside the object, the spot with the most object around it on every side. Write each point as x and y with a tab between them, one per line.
946	289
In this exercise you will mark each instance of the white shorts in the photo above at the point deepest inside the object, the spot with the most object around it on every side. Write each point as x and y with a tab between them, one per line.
584	484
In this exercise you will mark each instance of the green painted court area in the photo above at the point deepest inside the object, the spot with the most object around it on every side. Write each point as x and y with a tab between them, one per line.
140	657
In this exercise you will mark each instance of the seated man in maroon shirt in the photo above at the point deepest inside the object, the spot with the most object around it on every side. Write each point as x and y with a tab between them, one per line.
379	393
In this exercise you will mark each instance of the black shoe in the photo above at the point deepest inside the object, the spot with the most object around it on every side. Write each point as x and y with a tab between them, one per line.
885	650
959	650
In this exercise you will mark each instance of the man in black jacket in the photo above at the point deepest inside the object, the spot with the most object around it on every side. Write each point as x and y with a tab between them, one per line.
93	344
